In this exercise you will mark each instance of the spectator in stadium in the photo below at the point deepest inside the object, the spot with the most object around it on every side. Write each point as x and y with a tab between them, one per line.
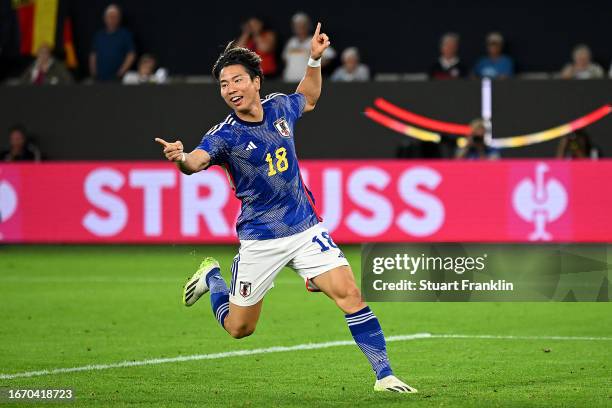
297	49
448	65
475	147
495	65
577	145
46	70
112	51
146	73
20	148
258	37
581	66
351	69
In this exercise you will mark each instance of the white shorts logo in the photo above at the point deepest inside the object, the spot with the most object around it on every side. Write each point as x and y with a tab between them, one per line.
245	288
539	202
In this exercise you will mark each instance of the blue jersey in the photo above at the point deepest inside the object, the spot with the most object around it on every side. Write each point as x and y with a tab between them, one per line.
489	68
261	163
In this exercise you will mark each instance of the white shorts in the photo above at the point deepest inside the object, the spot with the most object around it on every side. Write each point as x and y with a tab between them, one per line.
309	253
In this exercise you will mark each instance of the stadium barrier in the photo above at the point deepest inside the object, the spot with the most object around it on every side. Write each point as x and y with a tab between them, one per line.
89	122
360	201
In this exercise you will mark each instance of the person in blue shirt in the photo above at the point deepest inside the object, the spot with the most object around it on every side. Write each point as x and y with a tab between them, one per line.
279	225
112	52
495	65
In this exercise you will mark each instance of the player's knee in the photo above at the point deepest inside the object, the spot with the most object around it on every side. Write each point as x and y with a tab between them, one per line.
353	293
242	330
349	299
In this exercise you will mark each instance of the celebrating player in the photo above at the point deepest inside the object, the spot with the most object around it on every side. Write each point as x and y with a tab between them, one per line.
278	224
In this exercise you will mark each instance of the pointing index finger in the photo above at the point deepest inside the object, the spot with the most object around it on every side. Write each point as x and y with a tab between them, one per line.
318	30
161	142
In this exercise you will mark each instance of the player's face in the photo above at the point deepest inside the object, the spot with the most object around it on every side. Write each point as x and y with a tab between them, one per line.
239	91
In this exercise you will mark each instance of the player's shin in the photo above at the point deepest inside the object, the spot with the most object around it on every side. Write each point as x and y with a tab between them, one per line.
368	335
219	295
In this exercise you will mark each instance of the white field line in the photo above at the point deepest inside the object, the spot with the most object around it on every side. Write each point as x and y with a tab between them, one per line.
276	349
494	337
279	349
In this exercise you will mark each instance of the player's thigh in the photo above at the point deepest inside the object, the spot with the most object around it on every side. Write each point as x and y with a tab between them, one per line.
254	270
339	284
319	259
243	318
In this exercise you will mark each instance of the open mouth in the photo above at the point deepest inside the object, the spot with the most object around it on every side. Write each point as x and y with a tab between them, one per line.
236	100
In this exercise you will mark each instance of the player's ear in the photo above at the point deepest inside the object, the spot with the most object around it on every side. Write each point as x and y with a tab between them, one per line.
257	82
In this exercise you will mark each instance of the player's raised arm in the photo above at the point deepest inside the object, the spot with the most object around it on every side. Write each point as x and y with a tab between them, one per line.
310	86
187	163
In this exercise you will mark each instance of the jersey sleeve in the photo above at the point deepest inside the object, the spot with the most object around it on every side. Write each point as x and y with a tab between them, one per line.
297	103
290	105
215	143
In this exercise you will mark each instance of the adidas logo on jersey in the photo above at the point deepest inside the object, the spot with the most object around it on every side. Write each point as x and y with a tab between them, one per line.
251	146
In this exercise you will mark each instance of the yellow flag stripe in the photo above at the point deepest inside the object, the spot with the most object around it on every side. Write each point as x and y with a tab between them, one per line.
45	23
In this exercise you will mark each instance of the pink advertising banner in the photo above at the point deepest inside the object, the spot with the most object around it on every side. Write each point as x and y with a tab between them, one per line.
360	201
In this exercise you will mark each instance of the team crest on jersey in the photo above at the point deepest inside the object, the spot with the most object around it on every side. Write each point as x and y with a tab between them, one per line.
245	288
283	127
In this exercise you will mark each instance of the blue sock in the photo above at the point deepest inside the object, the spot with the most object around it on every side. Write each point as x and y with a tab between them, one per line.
369	337
219	295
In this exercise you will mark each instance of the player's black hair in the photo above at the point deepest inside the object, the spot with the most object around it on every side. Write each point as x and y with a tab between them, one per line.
233	55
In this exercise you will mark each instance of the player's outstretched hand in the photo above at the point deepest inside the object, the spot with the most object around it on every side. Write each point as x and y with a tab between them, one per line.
319	43
172	151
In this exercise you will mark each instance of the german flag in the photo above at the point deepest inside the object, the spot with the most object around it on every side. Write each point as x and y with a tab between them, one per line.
37	20
71	58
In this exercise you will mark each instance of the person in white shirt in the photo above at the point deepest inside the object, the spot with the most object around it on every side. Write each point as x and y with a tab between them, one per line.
582	67
146	74
297	49
351	69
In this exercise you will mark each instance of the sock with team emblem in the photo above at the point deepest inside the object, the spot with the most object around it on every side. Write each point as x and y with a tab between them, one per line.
219	295
369	337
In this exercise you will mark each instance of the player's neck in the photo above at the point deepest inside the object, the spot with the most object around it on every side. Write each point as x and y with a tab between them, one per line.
254	114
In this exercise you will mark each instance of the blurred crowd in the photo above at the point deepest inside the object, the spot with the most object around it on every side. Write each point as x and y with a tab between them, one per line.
114	57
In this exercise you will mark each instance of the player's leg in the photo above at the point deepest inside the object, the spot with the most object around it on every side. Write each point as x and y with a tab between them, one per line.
239	321
325	268
339	285
237	307
242	320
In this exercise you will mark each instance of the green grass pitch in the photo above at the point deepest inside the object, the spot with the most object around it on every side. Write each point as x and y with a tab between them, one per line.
72	306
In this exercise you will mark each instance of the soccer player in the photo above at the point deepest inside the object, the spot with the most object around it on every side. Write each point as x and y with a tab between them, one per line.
278	224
